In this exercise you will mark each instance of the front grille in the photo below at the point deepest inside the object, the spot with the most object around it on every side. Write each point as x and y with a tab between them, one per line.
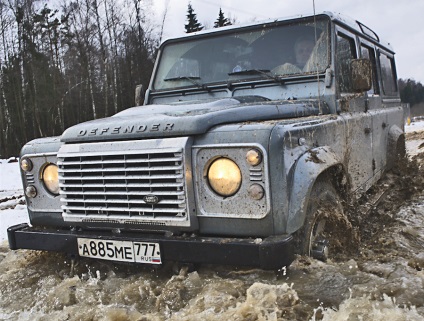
111	186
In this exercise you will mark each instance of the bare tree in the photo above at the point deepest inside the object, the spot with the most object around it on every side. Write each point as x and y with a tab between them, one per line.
66	64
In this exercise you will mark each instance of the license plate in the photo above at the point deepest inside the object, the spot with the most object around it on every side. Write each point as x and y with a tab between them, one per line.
123	251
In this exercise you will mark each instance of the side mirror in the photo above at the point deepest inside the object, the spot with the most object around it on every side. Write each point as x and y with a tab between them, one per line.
361	74
139	95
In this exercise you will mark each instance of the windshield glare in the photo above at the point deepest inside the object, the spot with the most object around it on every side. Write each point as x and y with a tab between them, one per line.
270	51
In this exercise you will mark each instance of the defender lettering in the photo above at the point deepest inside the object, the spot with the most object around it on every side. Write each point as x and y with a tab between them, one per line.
132	129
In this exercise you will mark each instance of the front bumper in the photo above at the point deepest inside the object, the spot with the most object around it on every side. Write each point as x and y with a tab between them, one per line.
271	253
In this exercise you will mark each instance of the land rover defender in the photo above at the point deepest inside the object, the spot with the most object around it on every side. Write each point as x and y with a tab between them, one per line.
241	154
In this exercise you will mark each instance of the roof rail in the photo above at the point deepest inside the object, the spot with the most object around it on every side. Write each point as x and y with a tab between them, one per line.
368	31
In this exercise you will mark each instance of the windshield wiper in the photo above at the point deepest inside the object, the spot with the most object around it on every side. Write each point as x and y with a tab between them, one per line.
191	79
250	72
265	72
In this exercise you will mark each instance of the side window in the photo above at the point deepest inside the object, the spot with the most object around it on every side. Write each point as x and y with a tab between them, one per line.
388	75
369	53
345	52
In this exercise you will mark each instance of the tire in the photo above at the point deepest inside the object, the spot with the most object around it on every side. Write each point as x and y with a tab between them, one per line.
326	233
400	159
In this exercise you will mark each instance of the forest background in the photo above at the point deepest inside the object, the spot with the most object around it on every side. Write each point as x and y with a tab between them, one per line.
81	60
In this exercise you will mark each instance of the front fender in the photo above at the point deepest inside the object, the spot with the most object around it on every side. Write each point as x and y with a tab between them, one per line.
307	168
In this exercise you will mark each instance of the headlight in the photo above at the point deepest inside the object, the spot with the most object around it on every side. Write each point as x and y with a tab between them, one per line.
224	177
50	178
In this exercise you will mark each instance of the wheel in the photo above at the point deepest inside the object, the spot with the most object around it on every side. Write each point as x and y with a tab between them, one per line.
326	232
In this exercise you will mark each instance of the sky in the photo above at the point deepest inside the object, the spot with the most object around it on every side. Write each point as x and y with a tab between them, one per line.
399	22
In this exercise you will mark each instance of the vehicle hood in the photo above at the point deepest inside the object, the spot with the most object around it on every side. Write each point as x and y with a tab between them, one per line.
186	119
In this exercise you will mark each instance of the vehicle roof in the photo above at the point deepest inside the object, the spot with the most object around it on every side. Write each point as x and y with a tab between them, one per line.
336	17
359	27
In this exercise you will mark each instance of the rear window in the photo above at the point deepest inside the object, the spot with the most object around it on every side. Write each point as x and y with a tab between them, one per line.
388	75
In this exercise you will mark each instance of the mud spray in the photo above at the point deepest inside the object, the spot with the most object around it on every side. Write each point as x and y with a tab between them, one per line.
382	280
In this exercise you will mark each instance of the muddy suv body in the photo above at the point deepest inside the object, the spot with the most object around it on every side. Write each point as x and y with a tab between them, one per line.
227	157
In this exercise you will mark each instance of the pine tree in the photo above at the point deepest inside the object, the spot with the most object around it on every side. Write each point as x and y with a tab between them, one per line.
221	21
193	25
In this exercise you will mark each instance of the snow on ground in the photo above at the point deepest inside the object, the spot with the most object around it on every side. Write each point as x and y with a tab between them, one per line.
11	194
415	126
11	217
414	146
10	178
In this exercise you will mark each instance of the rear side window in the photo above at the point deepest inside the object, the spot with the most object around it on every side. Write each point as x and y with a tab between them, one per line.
369	53
388	75
345	52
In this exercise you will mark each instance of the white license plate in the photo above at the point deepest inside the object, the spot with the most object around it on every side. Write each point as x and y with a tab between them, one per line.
124	251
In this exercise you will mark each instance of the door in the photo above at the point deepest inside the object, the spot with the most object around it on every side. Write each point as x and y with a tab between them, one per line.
354	110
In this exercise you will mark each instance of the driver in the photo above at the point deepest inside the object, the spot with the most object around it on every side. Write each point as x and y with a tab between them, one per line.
302	50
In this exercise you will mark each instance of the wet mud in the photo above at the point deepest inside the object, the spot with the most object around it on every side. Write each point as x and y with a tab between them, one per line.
382	279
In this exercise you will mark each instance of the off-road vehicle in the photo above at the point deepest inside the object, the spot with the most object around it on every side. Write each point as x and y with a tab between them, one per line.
241	153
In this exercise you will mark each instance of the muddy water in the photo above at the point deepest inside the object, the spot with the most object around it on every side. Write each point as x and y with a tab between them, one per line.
382	280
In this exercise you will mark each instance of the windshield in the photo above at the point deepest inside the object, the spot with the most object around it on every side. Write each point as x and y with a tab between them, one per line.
268	51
